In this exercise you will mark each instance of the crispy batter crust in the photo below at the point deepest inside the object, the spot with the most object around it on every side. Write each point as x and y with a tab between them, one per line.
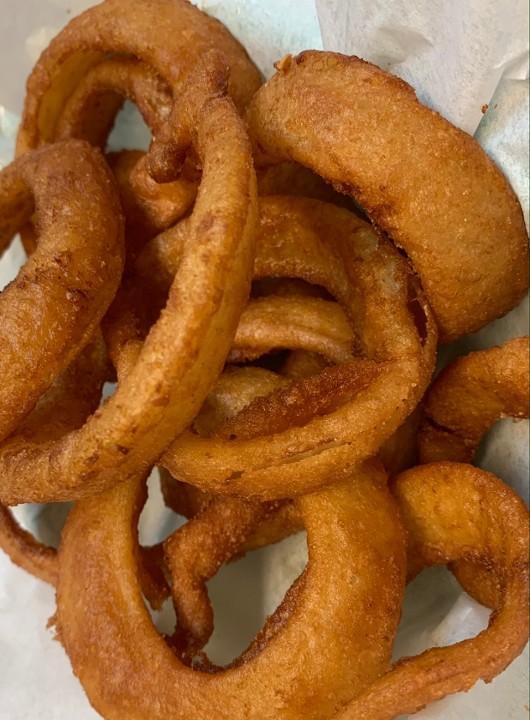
49	312
469	395
454	512
185	350
305	435
333	634
119	27
425	183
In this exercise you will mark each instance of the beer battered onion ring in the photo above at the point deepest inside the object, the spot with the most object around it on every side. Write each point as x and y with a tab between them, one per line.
63	408
292	322
117	27
131	672
317	328
119	78
71	278
25	551
185	351
194	553
149	207
469	395
299	437
425	183
75	89
75	394
453	511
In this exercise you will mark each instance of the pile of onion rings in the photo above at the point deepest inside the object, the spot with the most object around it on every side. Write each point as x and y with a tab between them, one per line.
264	291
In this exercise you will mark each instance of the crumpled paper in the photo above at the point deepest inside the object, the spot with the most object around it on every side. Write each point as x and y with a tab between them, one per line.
464	59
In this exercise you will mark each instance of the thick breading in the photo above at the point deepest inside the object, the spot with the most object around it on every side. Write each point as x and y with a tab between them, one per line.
424	182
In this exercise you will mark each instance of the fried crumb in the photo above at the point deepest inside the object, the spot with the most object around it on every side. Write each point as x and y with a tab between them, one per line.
284	64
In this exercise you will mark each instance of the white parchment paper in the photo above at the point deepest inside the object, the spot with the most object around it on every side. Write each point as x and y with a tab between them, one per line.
464	59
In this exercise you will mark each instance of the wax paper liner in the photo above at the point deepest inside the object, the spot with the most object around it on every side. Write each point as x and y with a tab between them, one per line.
467	60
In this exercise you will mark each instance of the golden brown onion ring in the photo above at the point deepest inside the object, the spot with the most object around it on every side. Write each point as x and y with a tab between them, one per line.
233	391
76	89
115	27
291	179
295	439
131	672
425	183
186	349
113	80
48	313
88	114
65	406
469	395
297	323
150	207
195	552
25	551
453	511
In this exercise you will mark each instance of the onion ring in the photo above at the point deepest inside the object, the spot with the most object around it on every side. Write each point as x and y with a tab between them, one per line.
114	27
469	395
48	313
300	437
185	350
65	406
298	323
196	551
88	114
149	207
75	89
425	183
454	511
113	80
233	391
292	179
149	681
25	551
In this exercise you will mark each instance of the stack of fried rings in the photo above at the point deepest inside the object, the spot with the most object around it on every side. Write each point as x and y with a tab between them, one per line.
268	414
